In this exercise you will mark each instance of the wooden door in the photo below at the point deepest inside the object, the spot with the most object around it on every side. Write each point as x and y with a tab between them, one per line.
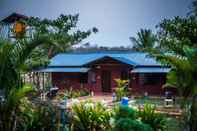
106	81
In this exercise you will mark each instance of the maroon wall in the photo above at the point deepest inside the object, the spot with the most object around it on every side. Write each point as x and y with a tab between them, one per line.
67	80
154	89
115	74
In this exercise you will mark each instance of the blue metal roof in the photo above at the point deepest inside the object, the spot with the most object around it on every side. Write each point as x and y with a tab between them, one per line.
151	70
64	69
125	60
80	59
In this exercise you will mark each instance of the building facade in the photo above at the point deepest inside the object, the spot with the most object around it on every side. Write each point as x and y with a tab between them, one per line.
12	26
97	71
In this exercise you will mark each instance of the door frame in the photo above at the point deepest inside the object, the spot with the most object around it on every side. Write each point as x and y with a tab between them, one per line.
106	85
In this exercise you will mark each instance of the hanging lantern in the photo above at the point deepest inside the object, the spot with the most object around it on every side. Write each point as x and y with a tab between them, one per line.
19	29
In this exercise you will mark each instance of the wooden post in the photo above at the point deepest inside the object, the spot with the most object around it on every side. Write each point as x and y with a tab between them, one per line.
43	80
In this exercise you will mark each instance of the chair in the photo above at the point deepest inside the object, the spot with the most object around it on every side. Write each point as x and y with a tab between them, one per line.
168	101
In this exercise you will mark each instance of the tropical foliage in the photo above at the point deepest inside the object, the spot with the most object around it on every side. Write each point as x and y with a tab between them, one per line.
19	113
62	33
126	120
15	106
145	40
150	117
89	116
121	89
12	109
25	53
12	58
178	48
43	117
71	93
193	8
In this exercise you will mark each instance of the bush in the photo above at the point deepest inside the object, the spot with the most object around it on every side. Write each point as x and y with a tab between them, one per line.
84	92
149	116
43	118
70	93
89	116
126	120
121	90
13	109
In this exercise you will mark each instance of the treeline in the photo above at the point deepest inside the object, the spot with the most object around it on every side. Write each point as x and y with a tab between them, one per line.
92	48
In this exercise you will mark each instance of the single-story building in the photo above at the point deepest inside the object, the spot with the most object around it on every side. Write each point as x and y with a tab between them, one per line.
98	70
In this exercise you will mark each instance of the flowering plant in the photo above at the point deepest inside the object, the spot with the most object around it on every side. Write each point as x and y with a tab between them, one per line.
90	116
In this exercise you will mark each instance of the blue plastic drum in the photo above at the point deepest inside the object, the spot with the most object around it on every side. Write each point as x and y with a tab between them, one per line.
125	101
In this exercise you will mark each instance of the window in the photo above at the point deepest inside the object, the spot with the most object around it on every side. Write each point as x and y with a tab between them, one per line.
150	79
84	78
92	76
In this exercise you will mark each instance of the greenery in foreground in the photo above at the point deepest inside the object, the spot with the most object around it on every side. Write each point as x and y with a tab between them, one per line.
177	39
177	47
17	57
89	116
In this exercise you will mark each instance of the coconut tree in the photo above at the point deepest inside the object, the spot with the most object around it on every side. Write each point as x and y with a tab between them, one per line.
12	109
183	71
49	37
12	59
193	8
183	76
145	40
178	48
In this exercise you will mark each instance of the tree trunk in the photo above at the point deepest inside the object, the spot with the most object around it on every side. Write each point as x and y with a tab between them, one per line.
50	52
193	118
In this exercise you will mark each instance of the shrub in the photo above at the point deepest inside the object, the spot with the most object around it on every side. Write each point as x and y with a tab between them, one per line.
42	117
149	116
121	90
126	120
13	108
89	116
84	92
70	93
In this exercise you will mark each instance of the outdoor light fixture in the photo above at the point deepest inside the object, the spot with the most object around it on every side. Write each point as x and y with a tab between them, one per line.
98	67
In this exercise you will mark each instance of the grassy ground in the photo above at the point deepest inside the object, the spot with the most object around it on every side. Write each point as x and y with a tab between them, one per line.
156	101
173	124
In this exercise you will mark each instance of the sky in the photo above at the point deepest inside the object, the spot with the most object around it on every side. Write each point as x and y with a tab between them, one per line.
117	20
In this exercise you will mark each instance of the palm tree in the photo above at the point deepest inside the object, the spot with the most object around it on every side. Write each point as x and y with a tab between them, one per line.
184	71
11	109
193	8
145	40
12	59
183	76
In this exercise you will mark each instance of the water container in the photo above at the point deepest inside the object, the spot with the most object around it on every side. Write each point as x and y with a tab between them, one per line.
125	101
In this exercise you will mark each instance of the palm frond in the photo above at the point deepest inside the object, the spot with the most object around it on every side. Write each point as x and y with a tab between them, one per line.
145	40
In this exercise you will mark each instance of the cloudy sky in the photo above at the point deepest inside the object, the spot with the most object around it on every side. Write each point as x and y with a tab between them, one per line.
116	20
